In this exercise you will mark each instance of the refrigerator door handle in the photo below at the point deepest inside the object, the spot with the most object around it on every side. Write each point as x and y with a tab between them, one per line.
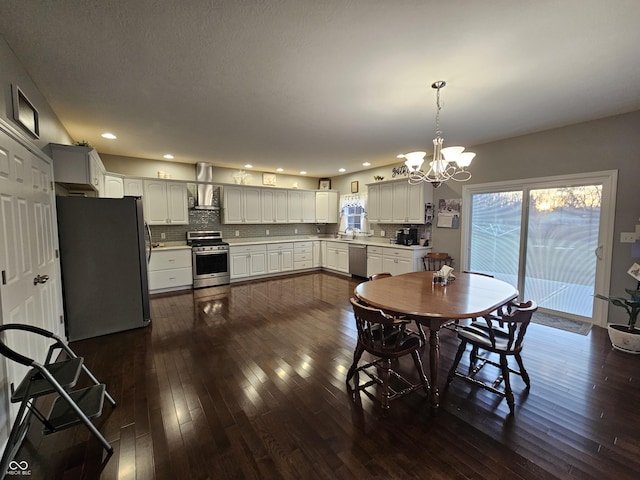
150	245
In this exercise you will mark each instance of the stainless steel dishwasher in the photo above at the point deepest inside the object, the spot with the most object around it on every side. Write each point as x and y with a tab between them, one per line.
358	260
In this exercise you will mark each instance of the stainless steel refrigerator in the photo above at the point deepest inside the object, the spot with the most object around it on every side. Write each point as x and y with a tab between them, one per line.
103	257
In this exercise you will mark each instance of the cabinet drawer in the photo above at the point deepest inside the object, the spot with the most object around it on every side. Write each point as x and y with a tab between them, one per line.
302	245
299	265
171	259
302	257
274	247
303	250
177	277
377	250
247	249
397	253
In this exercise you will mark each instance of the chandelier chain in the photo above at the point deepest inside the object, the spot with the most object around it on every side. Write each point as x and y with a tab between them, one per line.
439	107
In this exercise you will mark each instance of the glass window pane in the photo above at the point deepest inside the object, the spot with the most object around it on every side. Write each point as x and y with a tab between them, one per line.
562	237
495	234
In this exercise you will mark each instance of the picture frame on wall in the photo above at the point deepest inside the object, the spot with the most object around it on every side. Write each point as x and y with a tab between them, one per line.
354	187
269	179
324	184
24	112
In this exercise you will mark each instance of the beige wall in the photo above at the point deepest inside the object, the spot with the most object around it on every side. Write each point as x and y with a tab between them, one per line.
12	73
141	167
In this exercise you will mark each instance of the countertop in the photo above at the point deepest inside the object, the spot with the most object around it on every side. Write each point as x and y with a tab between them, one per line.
373	241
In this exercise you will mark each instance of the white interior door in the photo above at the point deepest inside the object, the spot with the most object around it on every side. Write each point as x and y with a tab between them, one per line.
551	238
28	250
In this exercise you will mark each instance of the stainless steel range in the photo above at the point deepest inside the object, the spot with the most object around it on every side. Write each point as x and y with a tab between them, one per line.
210	258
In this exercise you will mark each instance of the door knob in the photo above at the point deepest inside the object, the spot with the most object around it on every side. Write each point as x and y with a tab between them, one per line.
40	279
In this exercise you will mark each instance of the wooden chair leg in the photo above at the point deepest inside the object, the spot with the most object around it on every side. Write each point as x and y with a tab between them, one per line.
420	368
507	384
456	361
356	358
523	372
423	338
386	366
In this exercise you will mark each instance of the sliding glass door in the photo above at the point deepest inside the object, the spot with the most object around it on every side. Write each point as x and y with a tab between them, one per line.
550	238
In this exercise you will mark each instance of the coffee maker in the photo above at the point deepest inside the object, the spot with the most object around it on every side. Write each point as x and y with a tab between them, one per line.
407	236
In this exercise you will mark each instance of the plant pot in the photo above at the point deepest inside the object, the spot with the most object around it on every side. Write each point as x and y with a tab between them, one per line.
624	339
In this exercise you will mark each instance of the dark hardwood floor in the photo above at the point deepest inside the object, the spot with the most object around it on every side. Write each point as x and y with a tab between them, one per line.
248	381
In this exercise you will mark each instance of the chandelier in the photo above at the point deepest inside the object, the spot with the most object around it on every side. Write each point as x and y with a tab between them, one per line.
448	163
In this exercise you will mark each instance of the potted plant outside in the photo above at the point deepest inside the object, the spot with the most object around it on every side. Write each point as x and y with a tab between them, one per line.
625	338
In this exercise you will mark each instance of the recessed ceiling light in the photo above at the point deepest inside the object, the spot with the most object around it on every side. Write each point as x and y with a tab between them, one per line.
168	156
248	165
342	169
279	169
366	164
303	172
108	135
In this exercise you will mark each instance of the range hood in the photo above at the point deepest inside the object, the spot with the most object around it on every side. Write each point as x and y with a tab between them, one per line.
207	193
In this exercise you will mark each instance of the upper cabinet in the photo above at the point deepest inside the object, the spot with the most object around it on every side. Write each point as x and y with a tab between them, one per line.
301	206
113	186
77	168
398	202
165	202
242	204
133	187
327	207
380	203
263	205
274	205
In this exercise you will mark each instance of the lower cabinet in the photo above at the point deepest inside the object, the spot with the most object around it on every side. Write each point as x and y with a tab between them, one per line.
280	257
247	261
170	269
303	255
337	257
396	261
374	260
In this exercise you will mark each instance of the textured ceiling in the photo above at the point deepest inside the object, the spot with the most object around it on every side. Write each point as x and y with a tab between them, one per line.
317	85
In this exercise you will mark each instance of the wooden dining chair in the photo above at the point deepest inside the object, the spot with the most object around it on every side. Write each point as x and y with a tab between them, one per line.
385	337
434	261
503	334
420	331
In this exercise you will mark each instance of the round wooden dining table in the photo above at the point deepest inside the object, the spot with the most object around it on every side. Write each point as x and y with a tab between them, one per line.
415	295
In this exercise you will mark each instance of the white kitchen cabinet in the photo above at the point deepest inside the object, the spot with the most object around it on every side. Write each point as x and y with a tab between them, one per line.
165	202
374	260
303	255
274	205
133	187
327	207
248	261
170	269
401	260
308	207
242	204
380	202
301	206
398	202
337	257
77	168
397	261
409	201
113	186
317	254
280	257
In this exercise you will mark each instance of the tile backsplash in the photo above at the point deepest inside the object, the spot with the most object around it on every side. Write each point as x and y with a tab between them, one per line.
210	220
